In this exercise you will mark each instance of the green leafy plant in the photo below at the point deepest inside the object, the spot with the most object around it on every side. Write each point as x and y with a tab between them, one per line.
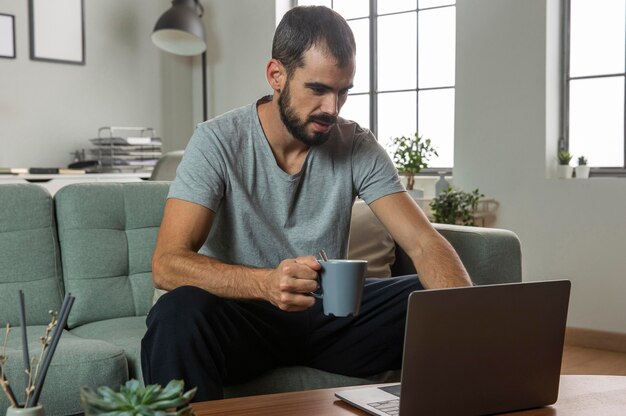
582	161
411	154
564	157
455	206
135	400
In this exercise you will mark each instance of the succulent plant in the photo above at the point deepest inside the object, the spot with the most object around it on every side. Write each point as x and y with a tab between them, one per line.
564	157
135	400
582	161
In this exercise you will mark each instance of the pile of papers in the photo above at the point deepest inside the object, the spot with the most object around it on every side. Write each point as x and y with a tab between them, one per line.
125	148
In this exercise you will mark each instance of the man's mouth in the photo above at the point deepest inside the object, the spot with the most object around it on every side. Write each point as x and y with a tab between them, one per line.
323	124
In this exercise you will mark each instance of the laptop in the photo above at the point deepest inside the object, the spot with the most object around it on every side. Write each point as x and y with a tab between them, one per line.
476	351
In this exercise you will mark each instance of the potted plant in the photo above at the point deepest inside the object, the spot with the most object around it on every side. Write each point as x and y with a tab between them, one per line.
411	154
582	170
455	206
35	369
133	399
564	170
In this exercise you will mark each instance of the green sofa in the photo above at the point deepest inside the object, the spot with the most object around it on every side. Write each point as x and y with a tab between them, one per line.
95	241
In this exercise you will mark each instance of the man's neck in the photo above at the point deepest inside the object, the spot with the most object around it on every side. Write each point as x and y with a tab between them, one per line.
289	152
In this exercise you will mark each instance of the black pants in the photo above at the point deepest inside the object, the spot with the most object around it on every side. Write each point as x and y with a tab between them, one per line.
208	341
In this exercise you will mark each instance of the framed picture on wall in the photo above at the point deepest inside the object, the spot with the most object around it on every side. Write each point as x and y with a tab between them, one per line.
57	31
7	36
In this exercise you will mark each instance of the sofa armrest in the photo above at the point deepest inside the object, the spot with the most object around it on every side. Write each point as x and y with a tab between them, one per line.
490	255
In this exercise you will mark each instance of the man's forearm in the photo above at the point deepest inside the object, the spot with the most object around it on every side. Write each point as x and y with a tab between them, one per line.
172	270
438	265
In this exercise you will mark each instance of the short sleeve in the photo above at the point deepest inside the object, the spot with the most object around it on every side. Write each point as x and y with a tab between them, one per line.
375	175
200	177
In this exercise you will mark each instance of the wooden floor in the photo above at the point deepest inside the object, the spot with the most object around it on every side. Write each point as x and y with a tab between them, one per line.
578	360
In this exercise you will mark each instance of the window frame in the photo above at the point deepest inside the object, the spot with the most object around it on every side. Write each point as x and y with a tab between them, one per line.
373	92
563	142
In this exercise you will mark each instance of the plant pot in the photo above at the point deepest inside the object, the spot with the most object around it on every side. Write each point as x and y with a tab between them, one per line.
28	411
564	171
582	172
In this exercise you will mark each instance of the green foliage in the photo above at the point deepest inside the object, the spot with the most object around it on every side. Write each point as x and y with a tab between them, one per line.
582	161
564	157
411	155
135	400
455	206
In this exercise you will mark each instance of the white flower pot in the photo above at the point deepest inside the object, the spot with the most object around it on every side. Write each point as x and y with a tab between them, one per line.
582	172
564	171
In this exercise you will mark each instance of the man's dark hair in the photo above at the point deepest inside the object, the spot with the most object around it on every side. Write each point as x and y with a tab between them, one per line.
306	26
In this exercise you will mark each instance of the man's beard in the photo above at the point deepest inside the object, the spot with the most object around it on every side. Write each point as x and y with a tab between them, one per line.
296	127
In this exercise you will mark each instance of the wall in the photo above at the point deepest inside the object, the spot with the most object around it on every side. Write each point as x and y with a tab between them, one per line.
239	37
506	131
47	110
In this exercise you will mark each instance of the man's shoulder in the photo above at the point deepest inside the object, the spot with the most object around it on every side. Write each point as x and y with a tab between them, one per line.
352	129
230	118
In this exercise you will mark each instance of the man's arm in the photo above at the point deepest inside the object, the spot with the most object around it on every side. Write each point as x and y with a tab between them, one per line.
436	262
176	262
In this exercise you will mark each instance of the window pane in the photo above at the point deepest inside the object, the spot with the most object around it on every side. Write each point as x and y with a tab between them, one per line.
436	122
424	4
361	31
596	121
396	115
597	37
350	9
437	47
397	52
357	108
393	6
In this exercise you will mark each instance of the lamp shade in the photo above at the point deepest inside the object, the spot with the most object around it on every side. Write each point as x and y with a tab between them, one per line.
180	29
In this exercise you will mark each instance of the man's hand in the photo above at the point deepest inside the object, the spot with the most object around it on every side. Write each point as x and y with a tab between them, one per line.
288	286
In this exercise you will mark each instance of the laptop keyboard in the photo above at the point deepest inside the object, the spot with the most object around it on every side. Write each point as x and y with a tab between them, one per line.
389	407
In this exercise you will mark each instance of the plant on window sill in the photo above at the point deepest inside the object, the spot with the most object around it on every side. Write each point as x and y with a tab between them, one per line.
411	155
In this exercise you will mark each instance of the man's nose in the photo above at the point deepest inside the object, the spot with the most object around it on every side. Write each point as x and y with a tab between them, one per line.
330	105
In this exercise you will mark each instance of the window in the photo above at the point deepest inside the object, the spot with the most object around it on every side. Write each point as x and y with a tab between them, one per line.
404	80
593	87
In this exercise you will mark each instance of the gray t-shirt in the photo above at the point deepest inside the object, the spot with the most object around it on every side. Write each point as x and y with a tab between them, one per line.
263	214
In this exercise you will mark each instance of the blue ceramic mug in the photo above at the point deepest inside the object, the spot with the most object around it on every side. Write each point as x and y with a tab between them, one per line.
341	286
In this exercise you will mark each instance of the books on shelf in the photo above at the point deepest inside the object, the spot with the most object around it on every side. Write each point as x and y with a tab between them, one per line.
54	171
13	171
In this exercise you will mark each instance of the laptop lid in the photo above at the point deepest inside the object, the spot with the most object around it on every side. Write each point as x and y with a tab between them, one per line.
477	351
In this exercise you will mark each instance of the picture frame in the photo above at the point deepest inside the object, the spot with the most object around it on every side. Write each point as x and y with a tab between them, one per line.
57	31
7	36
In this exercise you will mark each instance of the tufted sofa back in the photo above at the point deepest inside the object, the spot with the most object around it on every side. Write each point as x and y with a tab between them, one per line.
107	233
29	254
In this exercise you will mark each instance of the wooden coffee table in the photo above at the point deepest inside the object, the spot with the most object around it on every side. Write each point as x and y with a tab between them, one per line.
578	396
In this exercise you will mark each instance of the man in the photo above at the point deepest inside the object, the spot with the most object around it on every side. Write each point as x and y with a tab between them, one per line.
259	191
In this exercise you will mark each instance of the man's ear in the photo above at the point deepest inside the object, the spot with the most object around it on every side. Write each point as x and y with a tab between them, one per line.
276	75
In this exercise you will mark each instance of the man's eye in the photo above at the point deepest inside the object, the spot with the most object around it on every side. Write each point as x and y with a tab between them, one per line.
318	90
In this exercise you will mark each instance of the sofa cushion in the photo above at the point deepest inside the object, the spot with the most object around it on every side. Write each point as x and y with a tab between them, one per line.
77	362
369	240
29	253
125	333
107	234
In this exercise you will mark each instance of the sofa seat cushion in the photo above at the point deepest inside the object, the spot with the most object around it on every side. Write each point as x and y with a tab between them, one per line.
77	362
125	333
298	378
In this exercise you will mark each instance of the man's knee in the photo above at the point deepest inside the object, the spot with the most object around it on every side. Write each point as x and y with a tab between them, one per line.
182	307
